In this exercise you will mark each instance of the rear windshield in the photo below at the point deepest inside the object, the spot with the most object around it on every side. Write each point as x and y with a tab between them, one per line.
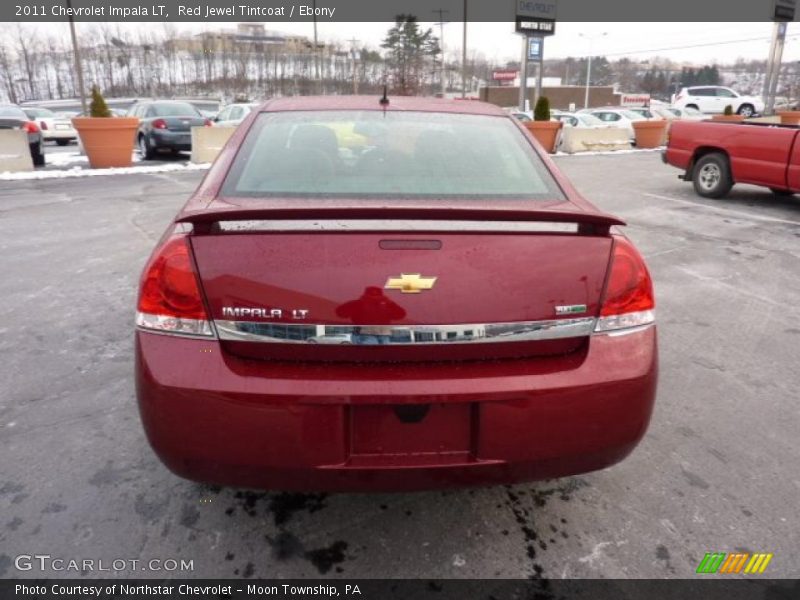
12	111
174	110
393	154
39	112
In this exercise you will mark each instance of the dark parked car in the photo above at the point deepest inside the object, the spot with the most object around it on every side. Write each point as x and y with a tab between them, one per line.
13	117
165	125
499	327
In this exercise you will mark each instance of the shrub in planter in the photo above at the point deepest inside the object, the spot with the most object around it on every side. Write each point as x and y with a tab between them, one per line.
541	112
543	129
107	140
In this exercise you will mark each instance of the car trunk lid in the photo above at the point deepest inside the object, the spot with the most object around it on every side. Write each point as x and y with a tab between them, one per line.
441	294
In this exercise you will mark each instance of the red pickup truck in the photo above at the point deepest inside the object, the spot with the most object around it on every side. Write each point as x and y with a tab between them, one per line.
716	154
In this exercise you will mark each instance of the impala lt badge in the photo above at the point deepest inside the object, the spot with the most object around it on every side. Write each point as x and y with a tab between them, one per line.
410	283
264	313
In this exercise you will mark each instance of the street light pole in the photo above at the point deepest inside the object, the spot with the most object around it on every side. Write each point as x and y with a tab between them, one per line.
588	79
589	65
77	54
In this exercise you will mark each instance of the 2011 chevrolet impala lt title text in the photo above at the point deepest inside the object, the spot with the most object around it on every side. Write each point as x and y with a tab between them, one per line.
391	295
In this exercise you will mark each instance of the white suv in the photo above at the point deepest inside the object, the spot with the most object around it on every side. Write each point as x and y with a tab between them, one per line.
714	99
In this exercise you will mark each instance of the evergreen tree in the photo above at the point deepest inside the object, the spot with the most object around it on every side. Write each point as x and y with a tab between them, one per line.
408	46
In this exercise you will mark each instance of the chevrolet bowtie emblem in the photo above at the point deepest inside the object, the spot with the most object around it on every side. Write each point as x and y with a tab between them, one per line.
410	283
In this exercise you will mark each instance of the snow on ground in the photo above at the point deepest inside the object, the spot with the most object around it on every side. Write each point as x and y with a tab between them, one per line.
609	152
60	159
77	171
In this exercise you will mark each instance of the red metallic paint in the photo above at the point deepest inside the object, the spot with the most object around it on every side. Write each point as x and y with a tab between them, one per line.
235	414
760	155
213	417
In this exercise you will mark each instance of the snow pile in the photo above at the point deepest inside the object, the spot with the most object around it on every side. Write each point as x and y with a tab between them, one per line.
77	171
610	152
59	159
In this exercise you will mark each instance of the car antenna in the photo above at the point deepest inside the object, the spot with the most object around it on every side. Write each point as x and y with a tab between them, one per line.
384	101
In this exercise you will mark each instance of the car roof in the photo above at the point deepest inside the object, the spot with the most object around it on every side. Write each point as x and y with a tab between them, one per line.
399	103
164	102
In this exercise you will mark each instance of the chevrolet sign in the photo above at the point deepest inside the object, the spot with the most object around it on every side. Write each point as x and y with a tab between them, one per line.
535	17
537	9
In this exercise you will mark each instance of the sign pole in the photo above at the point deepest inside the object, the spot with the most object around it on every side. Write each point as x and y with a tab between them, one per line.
523	74
77	55
541	70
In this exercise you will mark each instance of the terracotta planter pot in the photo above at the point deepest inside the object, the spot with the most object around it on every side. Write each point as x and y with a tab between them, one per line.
789	117
108	141
545	132
650	134
728	118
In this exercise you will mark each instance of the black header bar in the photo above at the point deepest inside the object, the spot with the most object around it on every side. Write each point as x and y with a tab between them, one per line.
214	11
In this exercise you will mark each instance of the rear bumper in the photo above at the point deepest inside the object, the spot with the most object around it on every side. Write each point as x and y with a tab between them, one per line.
220	419
59	134
171	140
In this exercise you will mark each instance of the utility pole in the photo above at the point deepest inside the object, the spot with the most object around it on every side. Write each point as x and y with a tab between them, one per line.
76	51
591	38
316	49
353	42
464	56
441	12
774	66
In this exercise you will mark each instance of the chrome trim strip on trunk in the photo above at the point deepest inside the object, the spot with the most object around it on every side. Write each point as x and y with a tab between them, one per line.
404	335
404	226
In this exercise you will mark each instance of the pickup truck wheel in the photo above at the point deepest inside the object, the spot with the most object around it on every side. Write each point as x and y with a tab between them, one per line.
712	176
747	110
781	192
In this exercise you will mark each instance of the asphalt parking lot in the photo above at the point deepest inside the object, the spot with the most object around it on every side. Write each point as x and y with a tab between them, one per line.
718	470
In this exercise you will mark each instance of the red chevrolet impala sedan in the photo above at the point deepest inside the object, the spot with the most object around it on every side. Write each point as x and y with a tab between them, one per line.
373	295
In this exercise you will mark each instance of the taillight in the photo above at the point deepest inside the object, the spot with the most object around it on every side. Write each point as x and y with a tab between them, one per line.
207	123
43	125
30	127
169	295
160	124
628	300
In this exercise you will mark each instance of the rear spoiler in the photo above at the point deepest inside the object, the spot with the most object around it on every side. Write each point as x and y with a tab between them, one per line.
590	223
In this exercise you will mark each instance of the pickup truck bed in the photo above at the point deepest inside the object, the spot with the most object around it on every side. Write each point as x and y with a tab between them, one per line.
715	155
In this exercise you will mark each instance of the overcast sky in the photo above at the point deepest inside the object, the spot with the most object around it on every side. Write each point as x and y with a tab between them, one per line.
694	42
